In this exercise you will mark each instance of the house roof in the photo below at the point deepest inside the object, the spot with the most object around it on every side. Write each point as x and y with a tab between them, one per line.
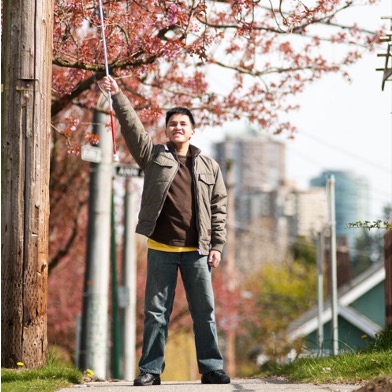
349	293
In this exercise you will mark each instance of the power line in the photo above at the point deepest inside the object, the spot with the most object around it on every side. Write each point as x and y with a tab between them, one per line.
315	162
346	152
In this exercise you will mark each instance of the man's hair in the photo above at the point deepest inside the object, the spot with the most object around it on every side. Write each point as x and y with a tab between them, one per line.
180	110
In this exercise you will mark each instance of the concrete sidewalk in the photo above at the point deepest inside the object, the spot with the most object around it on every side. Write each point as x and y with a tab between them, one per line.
237	385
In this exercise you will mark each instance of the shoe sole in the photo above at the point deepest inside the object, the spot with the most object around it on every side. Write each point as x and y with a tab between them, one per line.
206	381
157	381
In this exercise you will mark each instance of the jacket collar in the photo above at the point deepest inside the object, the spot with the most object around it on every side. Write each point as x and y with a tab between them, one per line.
195	151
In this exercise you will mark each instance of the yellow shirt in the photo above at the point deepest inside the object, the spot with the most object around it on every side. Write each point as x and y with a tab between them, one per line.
151	244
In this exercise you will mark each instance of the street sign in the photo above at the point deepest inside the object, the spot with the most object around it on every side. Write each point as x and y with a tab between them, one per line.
125	170
91	154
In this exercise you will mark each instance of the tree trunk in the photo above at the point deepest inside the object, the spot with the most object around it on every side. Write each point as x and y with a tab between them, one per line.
25	143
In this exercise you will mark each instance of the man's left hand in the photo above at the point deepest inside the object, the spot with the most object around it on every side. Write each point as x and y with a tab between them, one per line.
214	258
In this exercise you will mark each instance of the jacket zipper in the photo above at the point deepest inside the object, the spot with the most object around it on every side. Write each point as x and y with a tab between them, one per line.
196	205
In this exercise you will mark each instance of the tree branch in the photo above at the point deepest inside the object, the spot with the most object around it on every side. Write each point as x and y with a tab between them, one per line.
65	100
54	261
261	73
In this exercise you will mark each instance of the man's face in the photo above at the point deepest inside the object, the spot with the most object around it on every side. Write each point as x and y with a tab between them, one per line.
179	129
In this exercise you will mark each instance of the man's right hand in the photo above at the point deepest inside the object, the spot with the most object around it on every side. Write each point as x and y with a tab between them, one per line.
110	85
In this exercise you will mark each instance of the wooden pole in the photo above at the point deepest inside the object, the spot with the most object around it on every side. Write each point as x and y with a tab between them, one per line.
26	70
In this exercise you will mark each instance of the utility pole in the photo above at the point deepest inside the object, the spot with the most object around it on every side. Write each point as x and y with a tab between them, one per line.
320	292
129	283
26	77
334	289
94	329
127	291
116	374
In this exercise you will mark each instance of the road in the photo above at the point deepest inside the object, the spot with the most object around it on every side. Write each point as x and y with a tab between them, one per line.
237	385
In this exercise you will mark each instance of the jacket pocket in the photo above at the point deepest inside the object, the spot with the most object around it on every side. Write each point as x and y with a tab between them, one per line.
160	169
163	161
208	179
206	185
157	176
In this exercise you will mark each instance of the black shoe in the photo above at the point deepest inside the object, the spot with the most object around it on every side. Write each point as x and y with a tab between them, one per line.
215	377
145	378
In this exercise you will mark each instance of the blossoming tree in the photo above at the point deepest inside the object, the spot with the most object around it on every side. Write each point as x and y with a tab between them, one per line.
227	60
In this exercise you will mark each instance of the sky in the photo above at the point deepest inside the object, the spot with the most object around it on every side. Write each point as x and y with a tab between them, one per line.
342	126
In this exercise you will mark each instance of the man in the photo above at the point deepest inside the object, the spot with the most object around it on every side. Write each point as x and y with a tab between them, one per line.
183	214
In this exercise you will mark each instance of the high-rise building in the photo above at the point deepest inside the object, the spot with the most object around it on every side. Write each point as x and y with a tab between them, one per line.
258	169
351	200
306	212
259	160
258	172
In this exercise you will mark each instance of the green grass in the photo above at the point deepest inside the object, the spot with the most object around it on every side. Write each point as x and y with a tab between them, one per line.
343	368
348	367
54	375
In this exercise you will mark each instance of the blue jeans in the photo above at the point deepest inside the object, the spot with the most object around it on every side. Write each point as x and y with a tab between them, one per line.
161	282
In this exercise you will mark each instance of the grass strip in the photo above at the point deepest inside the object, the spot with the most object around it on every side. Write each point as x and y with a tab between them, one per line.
343	368
49	378
348	367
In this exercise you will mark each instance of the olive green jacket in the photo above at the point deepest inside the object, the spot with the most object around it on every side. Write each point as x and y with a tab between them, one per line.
159	164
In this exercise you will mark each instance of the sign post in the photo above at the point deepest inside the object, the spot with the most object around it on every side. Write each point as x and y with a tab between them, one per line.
127	293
